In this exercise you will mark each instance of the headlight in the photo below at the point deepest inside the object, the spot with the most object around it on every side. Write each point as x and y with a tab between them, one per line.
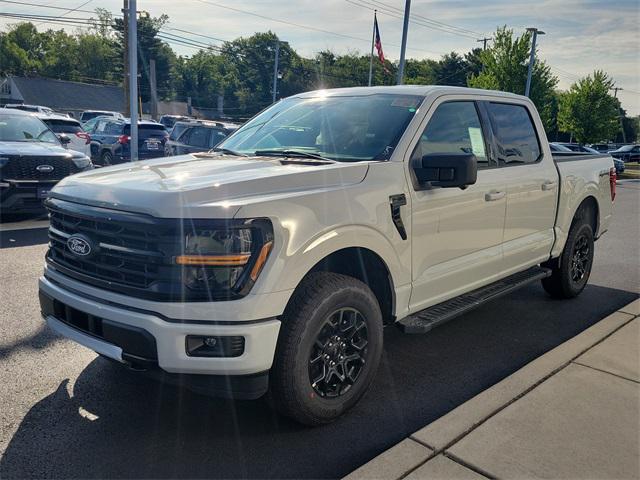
82	162
224	260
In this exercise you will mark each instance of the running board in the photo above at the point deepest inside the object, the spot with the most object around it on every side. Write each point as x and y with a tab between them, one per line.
429	318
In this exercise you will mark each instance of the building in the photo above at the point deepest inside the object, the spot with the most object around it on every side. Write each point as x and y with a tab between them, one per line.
61	95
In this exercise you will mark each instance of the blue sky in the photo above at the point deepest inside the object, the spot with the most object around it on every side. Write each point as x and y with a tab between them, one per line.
580	35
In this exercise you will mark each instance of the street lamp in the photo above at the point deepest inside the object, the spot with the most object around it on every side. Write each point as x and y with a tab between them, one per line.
532	57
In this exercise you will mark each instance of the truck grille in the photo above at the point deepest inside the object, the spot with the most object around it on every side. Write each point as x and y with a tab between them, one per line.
25	168
123	252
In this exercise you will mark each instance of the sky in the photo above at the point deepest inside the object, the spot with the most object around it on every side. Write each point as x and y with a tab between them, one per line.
581	36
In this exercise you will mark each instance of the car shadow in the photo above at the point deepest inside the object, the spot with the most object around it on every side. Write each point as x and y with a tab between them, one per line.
113	423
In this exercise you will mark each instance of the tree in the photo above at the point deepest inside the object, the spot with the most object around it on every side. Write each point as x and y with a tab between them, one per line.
588	110
451	69
505	68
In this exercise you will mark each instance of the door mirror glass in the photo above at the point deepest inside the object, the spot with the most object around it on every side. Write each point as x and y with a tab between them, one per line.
447	170
64	139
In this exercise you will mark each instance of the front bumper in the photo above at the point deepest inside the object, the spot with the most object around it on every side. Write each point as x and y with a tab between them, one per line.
155	335
23	196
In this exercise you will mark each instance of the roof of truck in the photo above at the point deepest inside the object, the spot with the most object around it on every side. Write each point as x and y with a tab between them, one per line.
422	90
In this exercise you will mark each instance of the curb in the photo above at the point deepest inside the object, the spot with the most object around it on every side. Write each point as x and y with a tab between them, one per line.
432	440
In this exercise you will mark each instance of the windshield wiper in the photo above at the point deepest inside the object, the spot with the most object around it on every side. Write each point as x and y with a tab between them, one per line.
292	154
228	151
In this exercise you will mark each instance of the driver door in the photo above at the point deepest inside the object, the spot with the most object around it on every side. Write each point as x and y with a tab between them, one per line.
456	233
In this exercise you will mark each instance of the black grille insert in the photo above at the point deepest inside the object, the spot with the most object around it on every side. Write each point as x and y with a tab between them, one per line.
54	167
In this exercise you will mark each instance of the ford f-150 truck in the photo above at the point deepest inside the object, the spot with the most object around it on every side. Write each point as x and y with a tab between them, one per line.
272	263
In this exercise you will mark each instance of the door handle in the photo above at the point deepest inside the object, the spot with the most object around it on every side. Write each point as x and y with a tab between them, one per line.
549	186
493	196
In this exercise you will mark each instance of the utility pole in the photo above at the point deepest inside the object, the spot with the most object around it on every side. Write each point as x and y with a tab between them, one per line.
373	39
532	57
615	95
403	48
484	42
133	78
275	72
154	88
125	60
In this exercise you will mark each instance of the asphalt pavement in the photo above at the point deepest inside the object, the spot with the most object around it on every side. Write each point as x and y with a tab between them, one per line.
66	413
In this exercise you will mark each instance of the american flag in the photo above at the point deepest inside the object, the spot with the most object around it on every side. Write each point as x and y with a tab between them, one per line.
378	43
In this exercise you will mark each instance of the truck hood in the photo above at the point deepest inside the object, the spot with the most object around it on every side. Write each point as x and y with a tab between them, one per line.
201	185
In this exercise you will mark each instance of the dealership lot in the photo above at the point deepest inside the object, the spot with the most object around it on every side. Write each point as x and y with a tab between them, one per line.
66	413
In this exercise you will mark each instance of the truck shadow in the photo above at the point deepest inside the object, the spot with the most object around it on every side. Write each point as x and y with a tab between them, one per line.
23	238
115	424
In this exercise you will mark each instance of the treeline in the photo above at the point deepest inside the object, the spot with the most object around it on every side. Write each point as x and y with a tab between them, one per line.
242	71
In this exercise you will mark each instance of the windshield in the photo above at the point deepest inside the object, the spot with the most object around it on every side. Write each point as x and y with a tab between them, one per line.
24	128
341	128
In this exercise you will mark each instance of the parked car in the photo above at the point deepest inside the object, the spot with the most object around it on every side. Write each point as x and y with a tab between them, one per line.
32	160
90	124
602	147
197	137
577	147
273	262
89	114
170	120
110	141
556	147
627	153
79	140
29	108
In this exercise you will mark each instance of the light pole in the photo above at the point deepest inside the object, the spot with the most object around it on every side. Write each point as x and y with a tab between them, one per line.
275	73
532	57
133	79
403	48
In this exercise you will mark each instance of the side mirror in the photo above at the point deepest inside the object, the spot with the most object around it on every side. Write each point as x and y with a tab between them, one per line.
64	139
446	170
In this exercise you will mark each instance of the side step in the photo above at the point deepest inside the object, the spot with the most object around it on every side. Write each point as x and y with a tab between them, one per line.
429	318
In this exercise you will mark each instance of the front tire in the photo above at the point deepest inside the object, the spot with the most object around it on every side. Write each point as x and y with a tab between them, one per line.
329	348
569	278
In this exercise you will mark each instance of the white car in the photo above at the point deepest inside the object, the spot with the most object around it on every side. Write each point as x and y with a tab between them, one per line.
89	114
29	108
273	261
79	140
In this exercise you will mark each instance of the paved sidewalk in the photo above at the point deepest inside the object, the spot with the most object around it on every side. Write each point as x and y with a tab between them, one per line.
574	412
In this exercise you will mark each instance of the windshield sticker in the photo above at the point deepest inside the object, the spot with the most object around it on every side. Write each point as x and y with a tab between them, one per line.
407	102
477	143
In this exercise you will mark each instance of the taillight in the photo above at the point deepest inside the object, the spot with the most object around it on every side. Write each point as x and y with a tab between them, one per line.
124	139
85	135
613	177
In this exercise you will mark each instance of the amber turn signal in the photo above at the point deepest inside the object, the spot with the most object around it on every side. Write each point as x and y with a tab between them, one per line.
261	260
214	260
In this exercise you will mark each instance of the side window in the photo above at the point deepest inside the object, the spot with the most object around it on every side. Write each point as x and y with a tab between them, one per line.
198	137
454	128
216	137
100	126
515	134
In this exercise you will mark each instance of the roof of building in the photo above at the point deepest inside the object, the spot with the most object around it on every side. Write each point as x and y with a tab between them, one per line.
66	95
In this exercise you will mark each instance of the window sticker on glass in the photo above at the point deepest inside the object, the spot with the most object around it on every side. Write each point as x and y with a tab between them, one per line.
408	102
477	143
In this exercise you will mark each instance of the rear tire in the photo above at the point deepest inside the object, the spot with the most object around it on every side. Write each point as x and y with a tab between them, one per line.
106	158
329	348
571	275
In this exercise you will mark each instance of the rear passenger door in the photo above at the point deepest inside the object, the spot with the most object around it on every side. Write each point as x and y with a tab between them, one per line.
532	184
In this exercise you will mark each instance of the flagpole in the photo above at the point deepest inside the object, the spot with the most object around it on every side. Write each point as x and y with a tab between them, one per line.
373	39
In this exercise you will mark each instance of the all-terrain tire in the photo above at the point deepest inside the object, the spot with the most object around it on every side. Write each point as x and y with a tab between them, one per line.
321	302
571	273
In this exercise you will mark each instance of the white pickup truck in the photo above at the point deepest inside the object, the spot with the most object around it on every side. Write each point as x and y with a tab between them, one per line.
272	263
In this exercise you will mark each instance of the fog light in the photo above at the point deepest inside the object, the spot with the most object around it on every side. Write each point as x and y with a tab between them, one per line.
209	346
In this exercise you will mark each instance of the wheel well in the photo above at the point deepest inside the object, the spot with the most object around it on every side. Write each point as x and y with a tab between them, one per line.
366	266
589	211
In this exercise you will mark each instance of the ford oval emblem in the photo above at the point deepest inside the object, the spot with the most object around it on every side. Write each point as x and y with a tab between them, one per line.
45	168
79	245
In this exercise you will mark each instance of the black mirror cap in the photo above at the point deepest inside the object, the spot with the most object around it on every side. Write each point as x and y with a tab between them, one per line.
447	170
64	139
